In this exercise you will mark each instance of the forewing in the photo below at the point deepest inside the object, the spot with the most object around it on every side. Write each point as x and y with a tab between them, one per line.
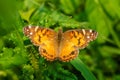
72	41
45	38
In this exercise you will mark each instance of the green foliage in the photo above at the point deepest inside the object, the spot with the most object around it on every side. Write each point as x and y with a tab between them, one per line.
20	60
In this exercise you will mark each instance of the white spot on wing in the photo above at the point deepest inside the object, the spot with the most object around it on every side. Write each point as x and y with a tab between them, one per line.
92	34
31	33
83	31
36	28
29	26
27	30
88	37
90	30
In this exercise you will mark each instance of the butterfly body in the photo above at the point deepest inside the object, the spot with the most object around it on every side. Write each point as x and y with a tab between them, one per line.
58	45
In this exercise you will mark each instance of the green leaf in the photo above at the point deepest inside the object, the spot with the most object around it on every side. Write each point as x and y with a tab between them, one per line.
11	57
98	18
80	66
111	50
9	17
112	8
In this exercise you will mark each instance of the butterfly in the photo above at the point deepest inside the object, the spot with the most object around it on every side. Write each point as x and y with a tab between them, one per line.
58	45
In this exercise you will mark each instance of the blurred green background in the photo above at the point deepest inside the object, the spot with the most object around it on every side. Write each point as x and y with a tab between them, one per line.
20	60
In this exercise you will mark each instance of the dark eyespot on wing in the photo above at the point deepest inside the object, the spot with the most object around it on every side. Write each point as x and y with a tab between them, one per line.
72	53
64	56
43	51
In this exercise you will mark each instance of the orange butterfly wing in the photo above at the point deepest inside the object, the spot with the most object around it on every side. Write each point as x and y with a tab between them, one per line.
64	46
46	39
72	41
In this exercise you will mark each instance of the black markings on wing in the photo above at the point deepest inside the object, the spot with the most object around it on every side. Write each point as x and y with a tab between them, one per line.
44	32
72	53
76	34
39	39
70	56
78	41
44	53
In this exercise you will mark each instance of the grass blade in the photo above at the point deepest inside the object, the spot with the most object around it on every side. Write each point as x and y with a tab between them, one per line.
80	66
